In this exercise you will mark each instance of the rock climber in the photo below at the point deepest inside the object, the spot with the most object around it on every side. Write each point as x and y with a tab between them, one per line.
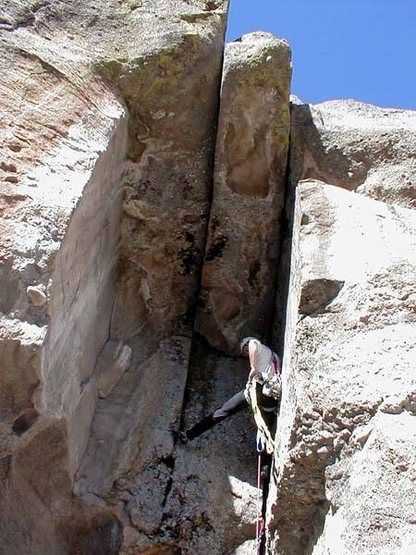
262	394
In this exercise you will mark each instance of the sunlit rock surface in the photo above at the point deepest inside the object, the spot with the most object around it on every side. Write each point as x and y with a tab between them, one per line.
349	377
109	110
358	147
239	273
127	179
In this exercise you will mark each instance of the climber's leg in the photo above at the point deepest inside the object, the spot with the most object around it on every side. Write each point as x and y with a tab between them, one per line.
236	404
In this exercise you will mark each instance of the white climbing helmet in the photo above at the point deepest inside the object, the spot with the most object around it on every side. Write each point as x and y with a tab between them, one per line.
244	342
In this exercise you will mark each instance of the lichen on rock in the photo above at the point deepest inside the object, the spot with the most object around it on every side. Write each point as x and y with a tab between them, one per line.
148	187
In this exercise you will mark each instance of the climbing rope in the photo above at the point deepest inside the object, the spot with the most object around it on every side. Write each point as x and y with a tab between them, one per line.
259	522
263	430
259	502
266	443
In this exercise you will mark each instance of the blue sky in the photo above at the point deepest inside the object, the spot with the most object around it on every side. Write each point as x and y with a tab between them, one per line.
362	49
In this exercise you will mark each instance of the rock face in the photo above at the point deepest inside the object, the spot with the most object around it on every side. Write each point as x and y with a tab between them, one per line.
356	146
107	145
238	279
134	183
212	505
349	380
112	362
63	135
371	490
172	96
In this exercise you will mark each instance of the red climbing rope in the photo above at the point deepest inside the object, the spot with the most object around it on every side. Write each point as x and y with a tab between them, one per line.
259	505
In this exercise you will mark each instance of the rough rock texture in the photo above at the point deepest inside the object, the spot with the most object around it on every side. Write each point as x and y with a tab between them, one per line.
349	401
356	146
112	362
63	135
199	498
172	95
238	278
110	112
371	490
79	76
212	504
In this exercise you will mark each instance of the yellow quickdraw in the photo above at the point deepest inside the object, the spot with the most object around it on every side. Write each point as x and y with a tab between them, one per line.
261	425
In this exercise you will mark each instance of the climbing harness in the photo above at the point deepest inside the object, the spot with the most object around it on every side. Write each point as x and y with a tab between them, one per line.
273	386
